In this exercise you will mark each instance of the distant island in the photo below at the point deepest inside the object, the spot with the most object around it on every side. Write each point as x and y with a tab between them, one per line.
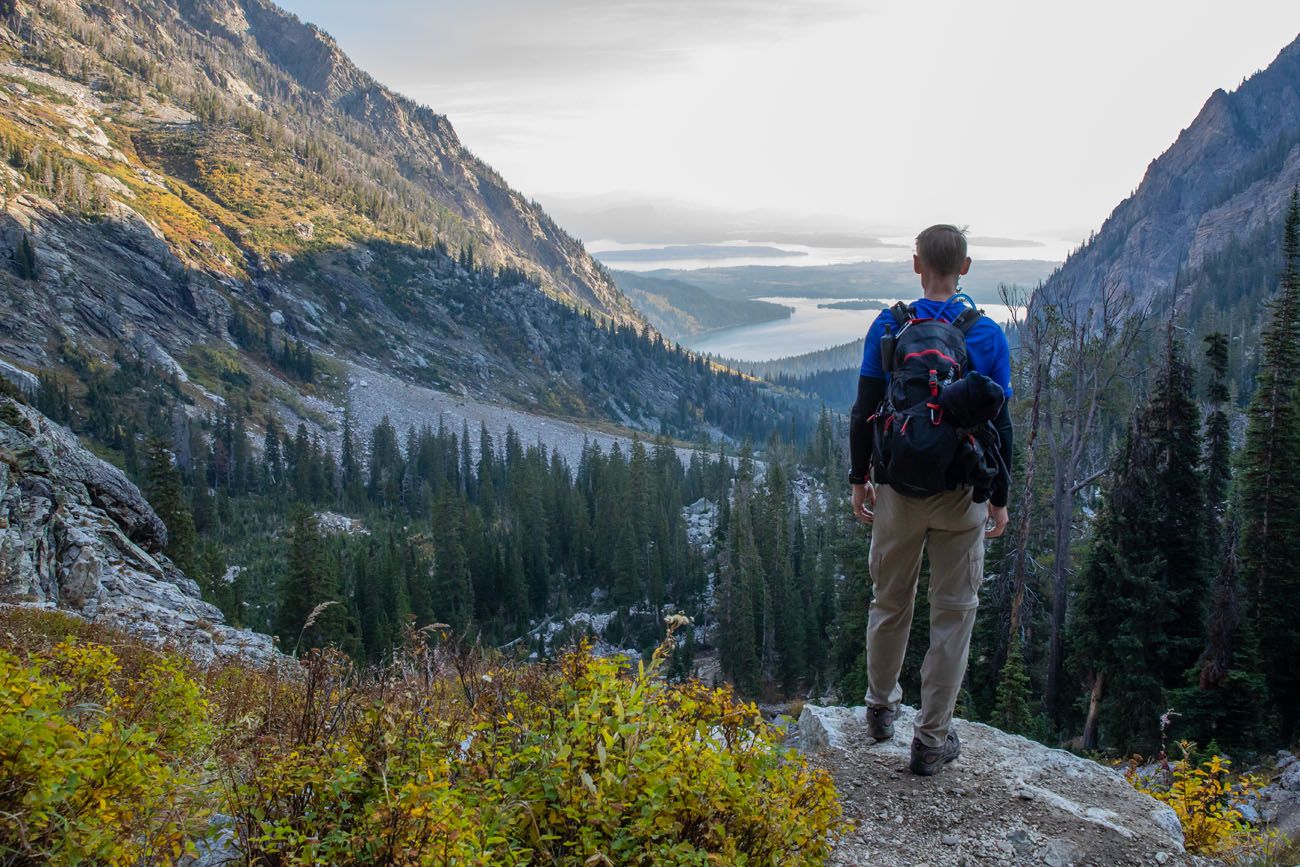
853	304
695	251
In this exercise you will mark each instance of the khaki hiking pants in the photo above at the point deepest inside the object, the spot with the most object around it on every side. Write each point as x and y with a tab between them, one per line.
951	527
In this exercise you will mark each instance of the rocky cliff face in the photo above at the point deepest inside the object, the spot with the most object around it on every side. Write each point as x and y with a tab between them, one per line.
76	535
1229	174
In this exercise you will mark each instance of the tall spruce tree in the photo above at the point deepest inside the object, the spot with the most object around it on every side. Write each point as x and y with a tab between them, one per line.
167	496
1139	614
1270	490
311	612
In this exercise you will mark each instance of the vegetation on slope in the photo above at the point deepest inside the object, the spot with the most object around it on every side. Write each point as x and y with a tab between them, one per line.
115	752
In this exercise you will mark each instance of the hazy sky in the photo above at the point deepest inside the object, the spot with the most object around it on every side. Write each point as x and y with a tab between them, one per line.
1017	118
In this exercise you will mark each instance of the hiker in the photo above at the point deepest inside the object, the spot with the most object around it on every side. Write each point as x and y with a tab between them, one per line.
930	441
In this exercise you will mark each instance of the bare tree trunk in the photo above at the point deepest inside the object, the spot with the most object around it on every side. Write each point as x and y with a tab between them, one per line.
1089	739
1090	346
1026	502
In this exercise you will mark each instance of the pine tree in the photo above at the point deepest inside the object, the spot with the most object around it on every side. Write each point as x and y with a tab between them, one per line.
272	457
1172	423
453	601
349	468
1012	712
25	258
310	613
1270	490
167	496
1218	442
1139	614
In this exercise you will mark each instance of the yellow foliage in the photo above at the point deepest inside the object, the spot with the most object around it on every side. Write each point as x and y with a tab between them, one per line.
448	755
577	763
1206	798
97	771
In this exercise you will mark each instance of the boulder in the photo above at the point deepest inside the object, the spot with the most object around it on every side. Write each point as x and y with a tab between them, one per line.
1006	800
1290	778
77	535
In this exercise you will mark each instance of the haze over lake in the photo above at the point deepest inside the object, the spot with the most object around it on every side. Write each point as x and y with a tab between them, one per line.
810	327
653	256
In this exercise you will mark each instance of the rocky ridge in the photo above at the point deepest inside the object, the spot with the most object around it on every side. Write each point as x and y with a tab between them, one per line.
77	535
1227	176
1006	800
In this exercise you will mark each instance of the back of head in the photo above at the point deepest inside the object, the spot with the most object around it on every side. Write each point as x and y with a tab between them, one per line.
942	248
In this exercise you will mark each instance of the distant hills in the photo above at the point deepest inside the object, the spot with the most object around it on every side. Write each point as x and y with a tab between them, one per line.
696	251
681	310
855	280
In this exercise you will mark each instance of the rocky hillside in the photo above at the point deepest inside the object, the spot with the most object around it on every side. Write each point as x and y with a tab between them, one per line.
76	535
212	187
198	83
1226	178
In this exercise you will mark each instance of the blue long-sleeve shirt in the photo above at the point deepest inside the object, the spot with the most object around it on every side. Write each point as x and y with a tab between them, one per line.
987	352
986	343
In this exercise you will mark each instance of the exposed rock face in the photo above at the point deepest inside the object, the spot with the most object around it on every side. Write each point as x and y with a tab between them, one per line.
1229	174
1006	800
75	534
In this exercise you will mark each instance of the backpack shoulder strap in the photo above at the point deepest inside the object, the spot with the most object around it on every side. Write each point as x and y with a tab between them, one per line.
967	320
903	313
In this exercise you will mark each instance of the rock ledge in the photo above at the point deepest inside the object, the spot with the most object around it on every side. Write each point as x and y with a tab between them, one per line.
1006	800
76	535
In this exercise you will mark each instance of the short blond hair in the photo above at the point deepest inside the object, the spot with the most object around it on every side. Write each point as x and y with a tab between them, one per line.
943	248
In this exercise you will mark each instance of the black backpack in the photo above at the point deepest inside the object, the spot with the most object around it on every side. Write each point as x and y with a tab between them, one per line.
928	439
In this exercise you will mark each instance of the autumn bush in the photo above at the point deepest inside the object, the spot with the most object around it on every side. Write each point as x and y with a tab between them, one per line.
1207	798
445	755
97	759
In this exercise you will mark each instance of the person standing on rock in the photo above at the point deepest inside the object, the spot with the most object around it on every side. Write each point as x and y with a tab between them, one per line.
927	479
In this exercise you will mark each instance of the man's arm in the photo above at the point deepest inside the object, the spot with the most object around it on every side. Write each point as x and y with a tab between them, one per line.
871	391
1006	448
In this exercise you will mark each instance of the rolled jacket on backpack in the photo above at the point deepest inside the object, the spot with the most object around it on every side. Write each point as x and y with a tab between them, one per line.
972	400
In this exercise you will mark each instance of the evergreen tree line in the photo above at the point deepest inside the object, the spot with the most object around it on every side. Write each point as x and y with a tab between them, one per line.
486	537
294	358
1177	619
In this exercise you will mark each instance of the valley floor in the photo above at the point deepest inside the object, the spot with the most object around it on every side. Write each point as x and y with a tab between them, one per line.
373	396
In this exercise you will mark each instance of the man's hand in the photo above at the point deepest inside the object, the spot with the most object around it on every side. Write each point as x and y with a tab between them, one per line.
999	516
864	500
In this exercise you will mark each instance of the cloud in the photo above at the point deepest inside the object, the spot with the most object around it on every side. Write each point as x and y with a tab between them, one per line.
462	43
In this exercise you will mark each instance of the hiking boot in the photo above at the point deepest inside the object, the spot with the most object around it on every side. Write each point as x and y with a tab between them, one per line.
880	722
928	760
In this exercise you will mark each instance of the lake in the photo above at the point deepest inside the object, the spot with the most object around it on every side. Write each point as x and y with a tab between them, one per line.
809	328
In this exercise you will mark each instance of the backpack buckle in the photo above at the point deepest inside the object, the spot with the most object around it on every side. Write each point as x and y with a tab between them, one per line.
936	413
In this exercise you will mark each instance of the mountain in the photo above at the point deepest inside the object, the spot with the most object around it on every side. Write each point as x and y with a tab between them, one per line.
1225	180
212	188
